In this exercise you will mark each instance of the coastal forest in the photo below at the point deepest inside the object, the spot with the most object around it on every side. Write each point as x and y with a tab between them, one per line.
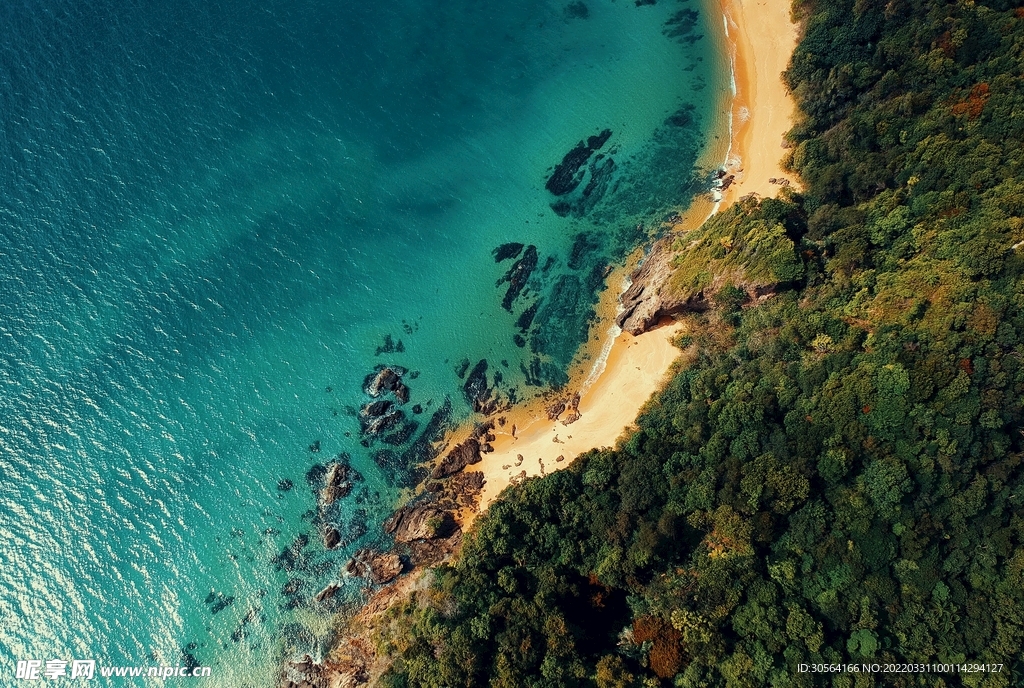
835	475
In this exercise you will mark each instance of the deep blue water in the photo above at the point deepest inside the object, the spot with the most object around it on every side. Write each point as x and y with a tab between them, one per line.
212	215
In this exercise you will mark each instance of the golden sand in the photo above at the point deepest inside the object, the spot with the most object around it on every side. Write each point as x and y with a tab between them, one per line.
761	37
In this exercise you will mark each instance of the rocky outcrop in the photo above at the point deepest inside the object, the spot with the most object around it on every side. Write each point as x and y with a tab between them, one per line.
462	455
377	567
420	521
336	483
388	379
649	297
379	416
464	488
332	537
572	410
555	409
327	593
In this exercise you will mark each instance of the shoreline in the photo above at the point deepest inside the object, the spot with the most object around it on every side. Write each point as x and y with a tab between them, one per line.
761	37
760	114
615	373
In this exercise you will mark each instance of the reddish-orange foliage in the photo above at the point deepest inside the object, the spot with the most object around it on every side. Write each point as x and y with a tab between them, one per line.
966	366
974	103
946	45
666	657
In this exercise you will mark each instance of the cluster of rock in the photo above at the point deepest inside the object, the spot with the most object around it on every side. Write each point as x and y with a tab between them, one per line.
330	484
304	673
425	531
570	406
723	180
377	417
422	520
466	453
568	174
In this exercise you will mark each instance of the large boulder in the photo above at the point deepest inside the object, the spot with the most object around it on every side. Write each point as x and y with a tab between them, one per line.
332	537
377	567
420	521
304	673
461	455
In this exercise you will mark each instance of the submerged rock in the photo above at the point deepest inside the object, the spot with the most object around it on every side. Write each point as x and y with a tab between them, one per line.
241	632
292	557
390	346
506	251
402	434
292	587
568	175
423	449
576	10
526	317
476	389
222	603
517	276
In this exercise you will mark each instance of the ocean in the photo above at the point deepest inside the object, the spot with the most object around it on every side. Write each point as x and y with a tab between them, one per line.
218	218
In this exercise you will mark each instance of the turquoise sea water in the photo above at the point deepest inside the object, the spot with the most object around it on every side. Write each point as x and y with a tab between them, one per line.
212	215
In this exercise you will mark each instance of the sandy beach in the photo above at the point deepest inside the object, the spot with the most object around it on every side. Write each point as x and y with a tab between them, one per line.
761	38
635	369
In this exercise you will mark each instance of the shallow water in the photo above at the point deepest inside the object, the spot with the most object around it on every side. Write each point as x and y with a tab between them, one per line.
212	215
